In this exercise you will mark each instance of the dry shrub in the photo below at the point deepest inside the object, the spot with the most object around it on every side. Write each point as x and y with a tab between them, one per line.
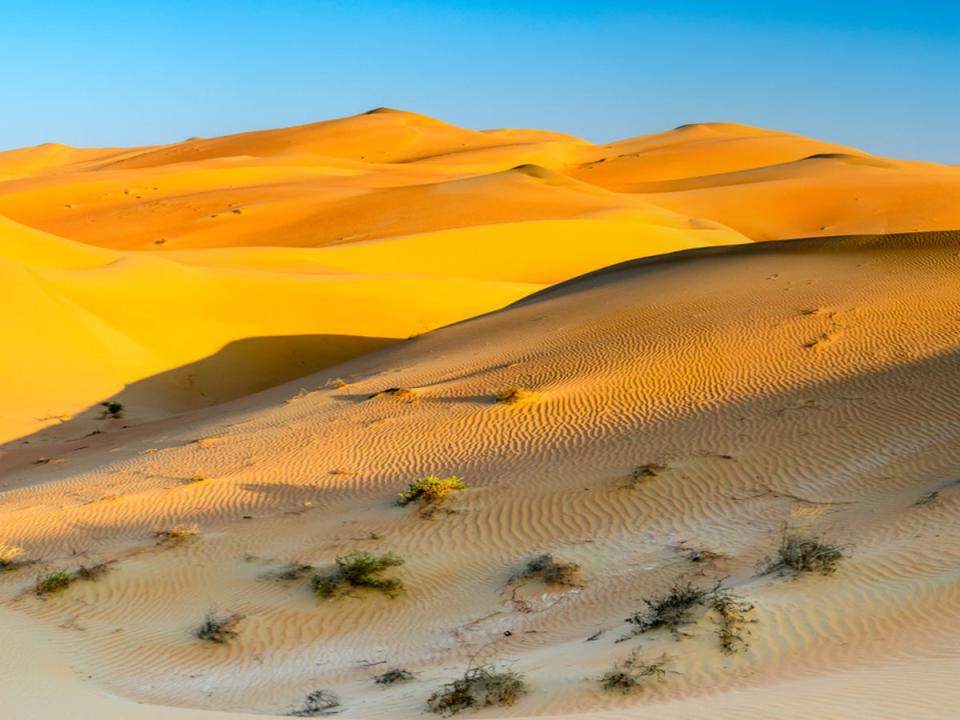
480	686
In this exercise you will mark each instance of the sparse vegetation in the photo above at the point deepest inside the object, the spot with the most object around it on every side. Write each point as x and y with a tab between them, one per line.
480	686
671	611
112	409
513	395
53	582
430	489
193	479
317	703
292	571
799	554
647	471
219	630
686	603
93	572
545	568
177	534
732	620
633	673
393	676
12	558
359	569
397	393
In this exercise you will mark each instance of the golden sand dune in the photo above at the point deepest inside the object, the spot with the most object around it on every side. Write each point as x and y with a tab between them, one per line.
677	412
183	275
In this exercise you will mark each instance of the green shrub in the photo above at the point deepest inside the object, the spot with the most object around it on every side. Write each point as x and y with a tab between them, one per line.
359	569
53	582
479	687
113	409
430	489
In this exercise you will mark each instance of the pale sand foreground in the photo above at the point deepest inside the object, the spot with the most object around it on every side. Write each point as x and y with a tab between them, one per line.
810	382
185	275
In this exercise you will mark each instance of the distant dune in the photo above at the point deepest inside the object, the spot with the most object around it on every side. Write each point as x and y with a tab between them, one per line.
651	358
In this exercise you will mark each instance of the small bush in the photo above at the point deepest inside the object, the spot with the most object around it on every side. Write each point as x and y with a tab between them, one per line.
479	687
671	611
430	489
177	534
293	571
731	612
92	573
397	393
359	569
53	582
112	409
12	558
632	673
513	395
317	703
220	630
393	676
798	554
548	570
686	603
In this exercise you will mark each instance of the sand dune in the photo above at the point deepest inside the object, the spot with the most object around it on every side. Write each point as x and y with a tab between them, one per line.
301	321
777	383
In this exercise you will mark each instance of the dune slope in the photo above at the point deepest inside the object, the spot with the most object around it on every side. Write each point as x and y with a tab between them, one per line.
808	384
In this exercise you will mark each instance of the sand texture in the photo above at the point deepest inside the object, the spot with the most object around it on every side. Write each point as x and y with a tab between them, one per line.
651	358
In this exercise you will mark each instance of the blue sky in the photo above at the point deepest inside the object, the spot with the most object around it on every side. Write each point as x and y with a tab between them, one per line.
882	76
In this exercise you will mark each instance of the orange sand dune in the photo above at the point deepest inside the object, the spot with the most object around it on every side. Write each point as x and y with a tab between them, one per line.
807	383
348	234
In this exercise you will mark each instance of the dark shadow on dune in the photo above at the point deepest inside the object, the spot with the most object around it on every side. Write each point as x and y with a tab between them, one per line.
244	367
240	368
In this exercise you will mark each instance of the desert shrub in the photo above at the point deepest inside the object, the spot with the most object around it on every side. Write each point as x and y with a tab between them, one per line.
632	673
686	603
648	470
317	703
479	687
393	676
732	619
177	534
800	554
430	489
702	555
113	409
359	569
93	572
671	611
218	629
293	571
513	395
12	558
53	582
548	570
397	393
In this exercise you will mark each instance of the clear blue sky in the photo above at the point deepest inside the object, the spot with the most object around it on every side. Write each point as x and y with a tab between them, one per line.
881	75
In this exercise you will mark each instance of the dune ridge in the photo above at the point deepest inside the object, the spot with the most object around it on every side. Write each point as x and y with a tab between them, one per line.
373	228
650	358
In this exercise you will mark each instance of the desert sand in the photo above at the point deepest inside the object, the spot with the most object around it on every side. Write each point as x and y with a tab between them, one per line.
716	333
